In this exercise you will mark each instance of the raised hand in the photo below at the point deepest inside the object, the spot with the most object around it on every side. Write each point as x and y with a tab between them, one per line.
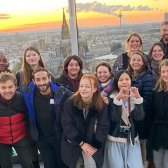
123	94
134	92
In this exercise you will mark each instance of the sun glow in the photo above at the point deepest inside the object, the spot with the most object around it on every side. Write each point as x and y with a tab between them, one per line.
37	14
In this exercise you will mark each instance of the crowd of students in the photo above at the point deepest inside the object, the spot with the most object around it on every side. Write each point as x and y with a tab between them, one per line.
114	118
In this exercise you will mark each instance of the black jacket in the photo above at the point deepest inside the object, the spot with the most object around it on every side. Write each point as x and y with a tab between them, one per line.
115	113
77	129
165	47
159	130
144	83
60	95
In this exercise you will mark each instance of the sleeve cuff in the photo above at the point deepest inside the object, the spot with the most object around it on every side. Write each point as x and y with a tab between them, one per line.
116	102
138	101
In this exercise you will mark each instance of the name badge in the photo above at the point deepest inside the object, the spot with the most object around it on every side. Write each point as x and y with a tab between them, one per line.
51	101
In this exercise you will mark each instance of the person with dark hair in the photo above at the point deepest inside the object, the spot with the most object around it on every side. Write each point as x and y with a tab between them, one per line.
71	74
158	139
133	43
85	126
105	76
4	62
164	36
45	100
155	56
12	123
125	107
142	79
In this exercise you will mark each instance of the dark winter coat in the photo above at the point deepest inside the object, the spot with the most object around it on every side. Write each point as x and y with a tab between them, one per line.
165	47
60	95
145	84
12	119
115	113
67	82
159	130
77	129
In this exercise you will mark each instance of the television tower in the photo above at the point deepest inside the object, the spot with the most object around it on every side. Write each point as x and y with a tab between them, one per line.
120	16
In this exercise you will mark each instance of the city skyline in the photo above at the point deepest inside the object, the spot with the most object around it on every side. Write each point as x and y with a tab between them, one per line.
22	15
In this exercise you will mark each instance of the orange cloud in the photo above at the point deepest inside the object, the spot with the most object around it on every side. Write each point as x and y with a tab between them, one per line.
4	16
30	27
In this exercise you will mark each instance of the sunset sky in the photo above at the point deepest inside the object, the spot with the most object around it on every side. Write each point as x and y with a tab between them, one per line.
22	15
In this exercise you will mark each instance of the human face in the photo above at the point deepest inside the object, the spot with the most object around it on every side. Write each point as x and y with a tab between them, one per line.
136	62
134	44
32	58
3	63
103	74
164	74
164	32
86	90
42	82
124	82
157	53
73	68
7	90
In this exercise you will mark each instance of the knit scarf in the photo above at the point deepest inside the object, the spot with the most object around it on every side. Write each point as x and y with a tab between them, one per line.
155	69
74	82
106	87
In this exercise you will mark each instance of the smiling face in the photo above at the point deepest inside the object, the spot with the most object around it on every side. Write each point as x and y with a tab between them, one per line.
32	58
164	32
157	53
103	74
164	74
136	62
42	81
134	44
4	64
124	82
86	89
73	68
7	89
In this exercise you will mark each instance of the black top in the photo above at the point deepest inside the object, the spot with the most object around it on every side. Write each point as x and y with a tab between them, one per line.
44	109
159	130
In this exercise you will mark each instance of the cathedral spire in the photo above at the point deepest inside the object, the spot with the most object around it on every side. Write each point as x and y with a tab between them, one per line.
65	30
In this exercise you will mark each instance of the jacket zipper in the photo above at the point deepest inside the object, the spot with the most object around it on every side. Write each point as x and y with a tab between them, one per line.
10	113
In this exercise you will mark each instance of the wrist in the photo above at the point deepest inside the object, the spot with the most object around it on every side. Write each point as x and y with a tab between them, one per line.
81	143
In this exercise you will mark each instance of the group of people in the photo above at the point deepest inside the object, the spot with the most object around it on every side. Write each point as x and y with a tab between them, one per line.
114	118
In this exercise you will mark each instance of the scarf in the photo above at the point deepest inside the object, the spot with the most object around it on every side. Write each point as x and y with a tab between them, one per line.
106	87
155	69
74	82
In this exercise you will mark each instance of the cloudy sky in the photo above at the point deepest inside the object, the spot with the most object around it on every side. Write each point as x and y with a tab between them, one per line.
21	15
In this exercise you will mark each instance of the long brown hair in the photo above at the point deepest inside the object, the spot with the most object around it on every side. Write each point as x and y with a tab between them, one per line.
151	50
144	66
26	70
96	102
161	85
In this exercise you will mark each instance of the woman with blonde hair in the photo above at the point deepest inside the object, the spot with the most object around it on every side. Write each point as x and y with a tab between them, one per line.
159	131
133	44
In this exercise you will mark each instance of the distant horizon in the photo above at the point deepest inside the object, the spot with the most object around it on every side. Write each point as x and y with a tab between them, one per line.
80	28
23	15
